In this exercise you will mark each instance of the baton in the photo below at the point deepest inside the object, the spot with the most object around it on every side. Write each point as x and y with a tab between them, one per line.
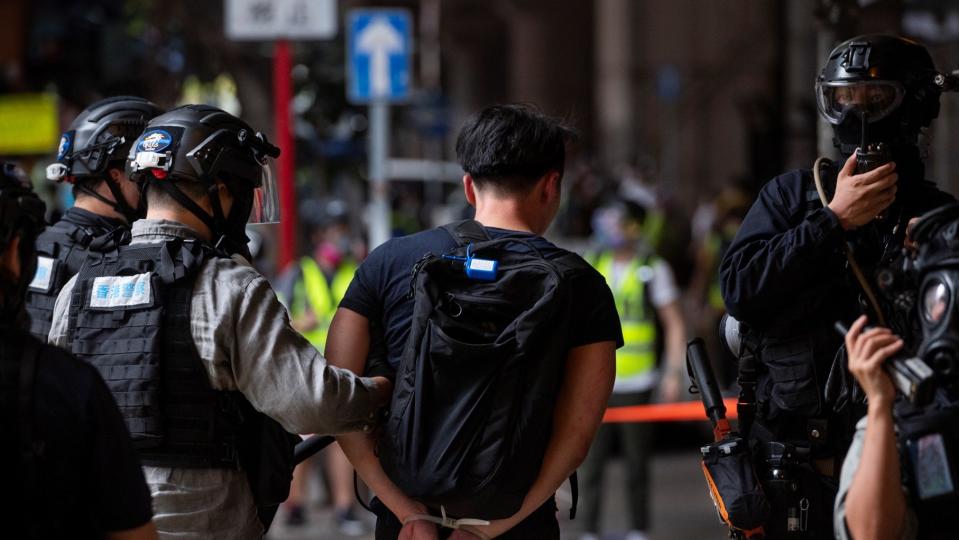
701	372
310	446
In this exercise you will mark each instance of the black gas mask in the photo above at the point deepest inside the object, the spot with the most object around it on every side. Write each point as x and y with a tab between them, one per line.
937	269
927	285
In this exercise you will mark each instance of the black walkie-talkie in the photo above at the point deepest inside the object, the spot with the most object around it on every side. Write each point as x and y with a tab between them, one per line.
871	155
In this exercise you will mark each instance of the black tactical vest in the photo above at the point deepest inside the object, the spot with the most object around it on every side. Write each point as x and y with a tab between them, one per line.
61	250
929	451
130	317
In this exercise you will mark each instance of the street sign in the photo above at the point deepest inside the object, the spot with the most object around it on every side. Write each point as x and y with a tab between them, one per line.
268	20
378	55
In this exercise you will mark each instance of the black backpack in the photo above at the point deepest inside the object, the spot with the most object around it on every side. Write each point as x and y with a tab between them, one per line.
475	390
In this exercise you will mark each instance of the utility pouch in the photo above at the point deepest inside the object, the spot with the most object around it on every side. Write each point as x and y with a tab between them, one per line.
734	486
791	364
266	456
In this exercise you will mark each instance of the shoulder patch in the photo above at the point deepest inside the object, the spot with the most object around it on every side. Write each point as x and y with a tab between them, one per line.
121	291
44	274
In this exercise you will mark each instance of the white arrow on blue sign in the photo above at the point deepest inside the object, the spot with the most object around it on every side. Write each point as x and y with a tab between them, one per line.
378	55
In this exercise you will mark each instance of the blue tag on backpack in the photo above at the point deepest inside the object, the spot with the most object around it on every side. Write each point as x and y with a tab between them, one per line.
481	269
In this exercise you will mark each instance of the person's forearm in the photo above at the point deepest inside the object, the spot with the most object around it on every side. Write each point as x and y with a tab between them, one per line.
359	450
875	504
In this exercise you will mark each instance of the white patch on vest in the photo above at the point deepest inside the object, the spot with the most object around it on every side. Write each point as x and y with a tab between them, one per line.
41	280
121	291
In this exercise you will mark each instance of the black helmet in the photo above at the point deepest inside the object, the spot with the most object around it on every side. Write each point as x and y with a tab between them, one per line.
101	136
21	213
888	81
203	144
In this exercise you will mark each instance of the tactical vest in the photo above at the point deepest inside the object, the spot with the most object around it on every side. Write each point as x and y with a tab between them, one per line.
929	452
61	250
130	318
637	357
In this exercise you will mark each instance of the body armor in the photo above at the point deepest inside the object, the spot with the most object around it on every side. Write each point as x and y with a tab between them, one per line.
61	250
130	318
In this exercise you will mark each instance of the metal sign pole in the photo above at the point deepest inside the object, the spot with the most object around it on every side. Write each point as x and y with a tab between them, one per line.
282	97
379	209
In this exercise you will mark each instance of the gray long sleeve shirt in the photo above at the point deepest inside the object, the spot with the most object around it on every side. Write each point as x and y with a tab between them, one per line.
243	335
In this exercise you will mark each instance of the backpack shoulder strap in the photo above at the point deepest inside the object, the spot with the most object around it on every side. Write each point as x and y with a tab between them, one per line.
466	231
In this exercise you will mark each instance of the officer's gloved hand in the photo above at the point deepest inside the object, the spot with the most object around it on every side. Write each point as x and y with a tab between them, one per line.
860	198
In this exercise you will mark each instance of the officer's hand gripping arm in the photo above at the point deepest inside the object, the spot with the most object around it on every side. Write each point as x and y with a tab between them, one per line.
347	346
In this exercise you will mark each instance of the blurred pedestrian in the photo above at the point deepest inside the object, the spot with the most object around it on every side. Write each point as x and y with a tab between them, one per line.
312	290
91	158
647	300
68	468
179	318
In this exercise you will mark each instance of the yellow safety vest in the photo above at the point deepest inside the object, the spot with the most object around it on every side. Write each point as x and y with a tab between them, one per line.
637	356
323	297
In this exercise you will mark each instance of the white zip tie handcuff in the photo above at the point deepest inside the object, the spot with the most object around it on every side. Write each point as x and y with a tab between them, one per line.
450	523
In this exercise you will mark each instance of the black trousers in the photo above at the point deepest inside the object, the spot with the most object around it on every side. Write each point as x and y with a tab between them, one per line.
634	439
540	525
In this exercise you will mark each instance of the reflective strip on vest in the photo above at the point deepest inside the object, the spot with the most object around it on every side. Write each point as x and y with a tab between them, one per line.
637	357
323	297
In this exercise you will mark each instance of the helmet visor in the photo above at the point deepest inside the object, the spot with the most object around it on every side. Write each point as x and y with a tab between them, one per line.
266	202
875	99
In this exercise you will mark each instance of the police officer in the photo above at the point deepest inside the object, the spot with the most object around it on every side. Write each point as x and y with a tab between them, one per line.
90	157
899	477
788	277
194	341
67	465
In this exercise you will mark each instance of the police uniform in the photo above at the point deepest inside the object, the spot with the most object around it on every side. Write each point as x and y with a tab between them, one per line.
97	141
243	343
61	250
785	276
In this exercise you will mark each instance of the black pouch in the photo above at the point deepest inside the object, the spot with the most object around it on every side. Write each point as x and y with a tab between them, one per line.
791	363
734	486
266	455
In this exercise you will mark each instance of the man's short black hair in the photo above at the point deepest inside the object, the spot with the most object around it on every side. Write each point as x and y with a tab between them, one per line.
512	146
157	197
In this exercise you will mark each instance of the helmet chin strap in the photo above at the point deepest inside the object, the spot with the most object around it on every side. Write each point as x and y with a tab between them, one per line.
215	222
119	202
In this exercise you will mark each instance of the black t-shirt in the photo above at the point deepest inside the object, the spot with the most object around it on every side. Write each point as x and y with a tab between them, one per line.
88	475
380	291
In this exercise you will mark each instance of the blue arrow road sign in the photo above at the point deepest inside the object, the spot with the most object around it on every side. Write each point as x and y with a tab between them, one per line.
378	55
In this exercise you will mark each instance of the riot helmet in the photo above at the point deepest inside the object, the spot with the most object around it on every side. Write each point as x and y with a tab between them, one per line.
99	139
206	145
21	214
880	88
